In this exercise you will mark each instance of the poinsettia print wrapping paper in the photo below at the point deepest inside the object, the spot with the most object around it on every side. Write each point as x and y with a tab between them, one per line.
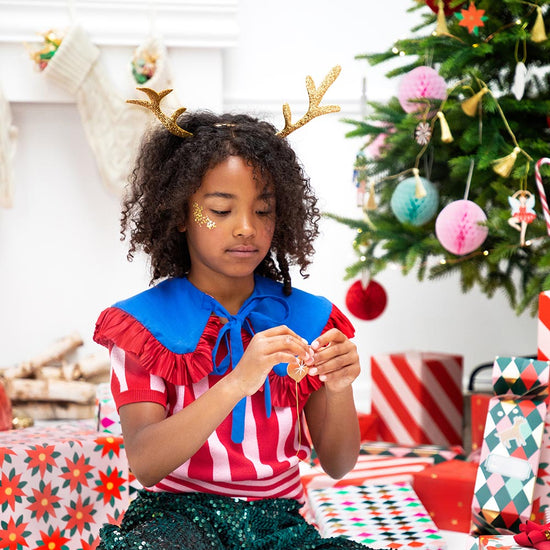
58	484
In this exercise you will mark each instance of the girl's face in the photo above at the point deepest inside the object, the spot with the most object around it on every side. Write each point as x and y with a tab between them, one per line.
230	224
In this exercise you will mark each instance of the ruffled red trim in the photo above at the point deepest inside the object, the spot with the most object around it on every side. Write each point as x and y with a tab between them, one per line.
116	327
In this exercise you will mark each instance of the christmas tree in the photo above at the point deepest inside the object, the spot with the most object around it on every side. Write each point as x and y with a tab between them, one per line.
447	171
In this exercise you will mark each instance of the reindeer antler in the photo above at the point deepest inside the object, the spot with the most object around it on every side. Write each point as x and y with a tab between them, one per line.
154	105
315	97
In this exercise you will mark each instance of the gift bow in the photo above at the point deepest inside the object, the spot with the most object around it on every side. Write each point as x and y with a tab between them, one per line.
534	535
231	334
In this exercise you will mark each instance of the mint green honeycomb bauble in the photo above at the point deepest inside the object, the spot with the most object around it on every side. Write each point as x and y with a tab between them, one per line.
409	209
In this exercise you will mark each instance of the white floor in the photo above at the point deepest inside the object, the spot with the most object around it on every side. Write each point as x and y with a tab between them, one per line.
456	541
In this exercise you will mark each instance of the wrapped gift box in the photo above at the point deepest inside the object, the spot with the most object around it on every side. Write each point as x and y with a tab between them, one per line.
379	516
368	470
368	426
437	452
511	451
544	326
499	542
541	494
446	491
418	397
59	484
479	405
106	413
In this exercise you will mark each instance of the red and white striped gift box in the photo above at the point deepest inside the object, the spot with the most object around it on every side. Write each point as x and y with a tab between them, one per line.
418	397
369	469
544	327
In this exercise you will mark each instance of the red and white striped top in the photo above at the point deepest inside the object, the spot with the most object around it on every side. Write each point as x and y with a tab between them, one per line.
264	464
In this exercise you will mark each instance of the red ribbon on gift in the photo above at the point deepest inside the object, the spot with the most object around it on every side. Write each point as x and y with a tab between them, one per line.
534	535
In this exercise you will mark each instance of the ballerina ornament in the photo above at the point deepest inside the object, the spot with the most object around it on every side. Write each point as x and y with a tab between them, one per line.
522	203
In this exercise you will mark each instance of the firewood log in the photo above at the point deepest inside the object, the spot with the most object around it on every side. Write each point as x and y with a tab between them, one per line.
56	351
74	391
66	371
54	411
94	365
24	370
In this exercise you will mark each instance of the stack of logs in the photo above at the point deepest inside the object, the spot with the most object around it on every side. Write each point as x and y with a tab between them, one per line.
52	386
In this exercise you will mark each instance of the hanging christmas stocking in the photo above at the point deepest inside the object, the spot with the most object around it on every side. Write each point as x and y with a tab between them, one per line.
8	135
113	127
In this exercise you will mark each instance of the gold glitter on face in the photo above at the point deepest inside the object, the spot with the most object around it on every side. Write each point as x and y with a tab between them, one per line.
201	218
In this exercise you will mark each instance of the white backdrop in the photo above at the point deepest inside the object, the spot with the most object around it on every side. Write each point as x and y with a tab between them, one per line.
61	261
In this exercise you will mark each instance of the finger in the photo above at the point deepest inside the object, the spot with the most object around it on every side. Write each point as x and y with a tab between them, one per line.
330	352
332	335
288	342
282	330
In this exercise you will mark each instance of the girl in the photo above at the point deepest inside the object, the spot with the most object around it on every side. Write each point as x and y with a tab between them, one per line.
213	425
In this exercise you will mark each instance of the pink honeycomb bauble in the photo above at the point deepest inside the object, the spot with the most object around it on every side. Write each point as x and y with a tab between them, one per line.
458	227
421	83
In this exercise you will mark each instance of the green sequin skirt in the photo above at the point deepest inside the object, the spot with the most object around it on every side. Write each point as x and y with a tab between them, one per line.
201	521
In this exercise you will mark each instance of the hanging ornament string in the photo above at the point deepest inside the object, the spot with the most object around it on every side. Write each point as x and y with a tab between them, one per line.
469	179
503	166
542	194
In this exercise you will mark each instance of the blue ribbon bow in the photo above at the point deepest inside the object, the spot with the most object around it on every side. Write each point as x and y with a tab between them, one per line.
231	333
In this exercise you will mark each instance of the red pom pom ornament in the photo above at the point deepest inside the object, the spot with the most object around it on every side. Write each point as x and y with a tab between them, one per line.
366	303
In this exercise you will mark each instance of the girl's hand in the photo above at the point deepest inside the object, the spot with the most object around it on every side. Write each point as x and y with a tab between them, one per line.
267	349
336	360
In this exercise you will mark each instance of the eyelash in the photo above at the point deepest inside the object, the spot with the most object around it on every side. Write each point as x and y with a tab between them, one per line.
226	212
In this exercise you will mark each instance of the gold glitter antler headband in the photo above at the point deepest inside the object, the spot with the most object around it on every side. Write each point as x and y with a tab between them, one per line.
315	97
314	109
154	105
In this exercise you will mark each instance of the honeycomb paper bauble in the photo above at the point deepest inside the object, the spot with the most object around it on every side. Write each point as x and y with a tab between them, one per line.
458	227
368	302
422	83
408	208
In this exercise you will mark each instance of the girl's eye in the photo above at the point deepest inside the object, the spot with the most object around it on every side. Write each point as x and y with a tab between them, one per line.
220	212
264	212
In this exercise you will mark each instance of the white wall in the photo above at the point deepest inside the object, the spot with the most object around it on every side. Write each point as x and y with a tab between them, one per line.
61	261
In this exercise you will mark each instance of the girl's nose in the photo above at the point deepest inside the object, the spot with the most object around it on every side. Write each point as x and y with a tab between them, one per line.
244	227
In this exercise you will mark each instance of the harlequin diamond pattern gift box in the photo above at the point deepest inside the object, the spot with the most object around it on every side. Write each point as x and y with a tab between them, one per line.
379	516
58	485
418	397
512	443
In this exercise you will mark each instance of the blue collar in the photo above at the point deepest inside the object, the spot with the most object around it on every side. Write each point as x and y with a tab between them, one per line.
175	312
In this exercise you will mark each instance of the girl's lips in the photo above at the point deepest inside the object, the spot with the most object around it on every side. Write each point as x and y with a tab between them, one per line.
243	250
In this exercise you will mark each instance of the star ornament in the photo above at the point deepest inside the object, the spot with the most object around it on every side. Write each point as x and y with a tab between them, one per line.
472	18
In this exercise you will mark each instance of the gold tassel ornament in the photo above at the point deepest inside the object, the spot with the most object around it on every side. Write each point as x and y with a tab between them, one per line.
469	106
503	167
446	136
538	32
371	201
419	190
441	27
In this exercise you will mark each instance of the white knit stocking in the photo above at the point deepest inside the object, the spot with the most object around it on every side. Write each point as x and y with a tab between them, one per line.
113	127
8	135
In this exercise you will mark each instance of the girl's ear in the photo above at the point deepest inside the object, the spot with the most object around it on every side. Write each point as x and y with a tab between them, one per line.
182	228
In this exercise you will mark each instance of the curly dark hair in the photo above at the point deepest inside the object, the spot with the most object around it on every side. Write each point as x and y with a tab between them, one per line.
169	169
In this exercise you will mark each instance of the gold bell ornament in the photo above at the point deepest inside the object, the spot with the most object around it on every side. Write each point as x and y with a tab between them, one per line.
470	105
538	32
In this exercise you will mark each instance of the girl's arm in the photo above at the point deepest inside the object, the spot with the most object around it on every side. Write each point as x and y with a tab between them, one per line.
330	411
156	445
